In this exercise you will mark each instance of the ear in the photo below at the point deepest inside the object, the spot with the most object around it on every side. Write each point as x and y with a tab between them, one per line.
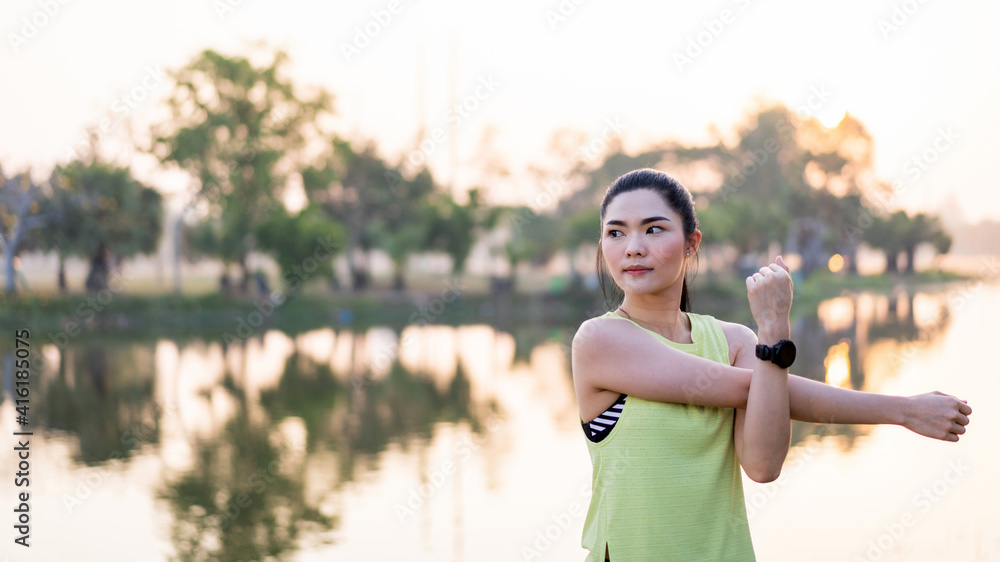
693	242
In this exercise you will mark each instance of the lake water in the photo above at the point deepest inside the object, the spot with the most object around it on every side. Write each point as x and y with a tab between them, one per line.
462	443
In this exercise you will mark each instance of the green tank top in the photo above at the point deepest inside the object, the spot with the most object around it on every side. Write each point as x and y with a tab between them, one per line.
666	482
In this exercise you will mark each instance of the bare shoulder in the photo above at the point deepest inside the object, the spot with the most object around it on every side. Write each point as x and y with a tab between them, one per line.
741	339
597	338
596	333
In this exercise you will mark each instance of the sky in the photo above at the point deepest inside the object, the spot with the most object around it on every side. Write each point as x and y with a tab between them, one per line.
923	77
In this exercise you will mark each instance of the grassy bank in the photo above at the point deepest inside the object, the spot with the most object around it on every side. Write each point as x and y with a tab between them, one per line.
208	313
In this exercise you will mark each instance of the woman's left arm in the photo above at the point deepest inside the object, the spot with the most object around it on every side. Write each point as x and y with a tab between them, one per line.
932	414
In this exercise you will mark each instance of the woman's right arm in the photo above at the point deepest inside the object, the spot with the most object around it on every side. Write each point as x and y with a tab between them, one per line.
614	354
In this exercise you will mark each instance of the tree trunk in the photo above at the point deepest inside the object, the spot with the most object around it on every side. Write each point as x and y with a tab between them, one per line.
356	266
359	271
910	251
61	279
178	225
8	270
398	278
97	278
891	259
245	282
851	258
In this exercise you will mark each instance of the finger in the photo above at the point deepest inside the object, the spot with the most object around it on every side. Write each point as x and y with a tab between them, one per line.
957	428
781	262
962	419
951	437
965	408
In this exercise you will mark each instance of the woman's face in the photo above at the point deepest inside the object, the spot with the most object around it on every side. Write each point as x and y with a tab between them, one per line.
643	243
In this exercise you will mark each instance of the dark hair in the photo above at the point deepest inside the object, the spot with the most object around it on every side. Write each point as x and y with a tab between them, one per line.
674	194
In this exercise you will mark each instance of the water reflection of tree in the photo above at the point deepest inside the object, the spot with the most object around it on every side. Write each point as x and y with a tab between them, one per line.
245	497
356	418
108	405
903	327
361	416
813	341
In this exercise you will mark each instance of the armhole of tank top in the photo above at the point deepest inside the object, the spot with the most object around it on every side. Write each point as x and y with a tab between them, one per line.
598	429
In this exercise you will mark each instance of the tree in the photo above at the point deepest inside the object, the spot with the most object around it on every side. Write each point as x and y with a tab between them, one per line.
455	228
583	228
887	233
104	215
66	209
534	238
237	129
923	228
20	214
402	227
353	187
295	239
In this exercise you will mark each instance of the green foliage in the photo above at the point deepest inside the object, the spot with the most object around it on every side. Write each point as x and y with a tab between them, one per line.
534	238
100	204
581	227
453	228
294	238
900	233
237	129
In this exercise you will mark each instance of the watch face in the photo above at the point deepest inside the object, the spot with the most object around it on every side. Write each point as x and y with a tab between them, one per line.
785	355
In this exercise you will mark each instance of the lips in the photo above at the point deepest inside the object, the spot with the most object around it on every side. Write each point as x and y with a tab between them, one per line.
636	269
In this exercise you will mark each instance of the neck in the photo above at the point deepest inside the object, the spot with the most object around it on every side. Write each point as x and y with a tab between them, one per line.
658	314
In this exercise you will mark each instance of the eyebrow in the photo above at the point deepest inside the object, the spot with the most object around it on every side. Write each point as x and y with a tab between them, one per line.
644	221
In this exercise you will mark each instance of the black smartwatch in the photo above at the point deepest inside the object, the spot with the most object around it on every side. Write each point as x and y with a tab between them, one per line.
781	354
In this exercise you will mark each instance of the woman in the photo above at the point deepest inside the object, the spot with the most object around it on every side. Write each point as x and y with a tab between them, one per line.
674	403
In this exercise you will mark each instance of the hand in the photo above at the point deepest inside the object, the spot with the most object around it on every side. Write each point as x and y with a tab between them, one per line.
770	294
937	415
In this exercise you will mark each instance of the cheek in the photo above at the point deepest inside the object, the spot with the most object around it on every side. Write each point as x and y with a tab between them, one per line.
671	247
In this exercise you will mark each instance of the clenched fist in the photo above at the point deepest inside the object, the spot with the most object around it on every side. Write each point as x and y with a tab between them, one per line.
770	294
937	415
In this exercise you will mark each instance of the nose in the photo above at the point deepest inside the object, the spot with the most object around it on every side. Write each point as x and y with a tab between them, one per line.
635	247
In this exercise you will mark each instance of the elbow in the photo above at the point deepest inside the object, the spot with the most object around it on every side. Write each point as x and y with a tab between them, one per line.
764	474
